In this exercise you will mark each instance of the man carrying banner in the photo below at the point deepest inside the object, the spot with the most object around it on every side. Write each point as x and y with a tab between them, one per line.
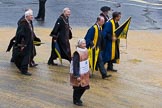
94	40
111	52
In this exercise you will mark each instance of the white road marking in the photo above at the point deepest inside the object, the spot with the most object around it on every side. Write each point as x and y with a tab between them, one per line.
154	5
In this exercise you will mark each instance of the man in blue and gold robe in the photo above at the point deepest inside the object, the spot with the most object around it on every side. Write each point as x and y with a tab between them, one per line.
111	52
94	40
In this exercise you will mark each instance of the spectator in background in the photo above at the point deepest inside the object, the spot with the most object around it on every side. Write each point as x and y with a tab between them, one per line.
41	12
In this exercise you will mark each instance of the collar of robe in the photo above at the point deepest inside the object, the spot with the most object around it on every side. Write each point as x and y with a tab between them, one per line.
65	19
81	49
29	22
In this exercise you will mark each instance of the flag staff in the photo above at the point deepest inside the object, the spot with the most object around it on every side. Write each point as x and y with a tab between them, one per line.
126	43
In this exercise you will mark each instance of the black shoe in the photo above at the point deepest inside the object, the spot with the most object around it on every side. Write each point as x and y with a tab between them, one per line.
52	63
39	19
12	60
33	65
113	70
96	68
26	73
106	76
78	103
36	17
81	101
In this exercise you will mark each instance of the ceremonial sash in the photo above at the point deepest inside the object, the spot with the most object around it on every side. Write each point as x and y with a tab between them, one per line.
113	42
96	35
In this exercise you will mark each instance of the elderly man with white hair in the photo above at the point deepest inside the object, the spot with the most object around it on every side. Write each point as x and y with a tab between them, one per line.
24	43
61	34
35	38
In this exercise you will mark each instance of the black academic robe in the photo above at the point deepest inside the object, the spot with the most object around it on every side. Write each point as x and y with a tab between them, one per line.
12	41
106	18
35	38
24	38
62	33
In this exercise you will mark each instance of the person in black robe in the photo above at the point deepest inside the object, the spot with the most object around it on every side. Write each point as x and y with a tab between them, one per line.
61	34
24	43
105	11
12	42
35	38
41	12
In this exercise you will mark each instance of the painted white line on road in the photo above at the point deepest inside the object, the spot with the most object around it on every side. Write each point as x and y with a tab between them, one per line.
145	2
143	6
107	1
137	5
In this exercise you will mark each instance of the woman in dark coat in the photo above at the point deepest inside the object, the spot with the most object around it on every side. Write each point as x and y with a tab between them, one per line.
79	75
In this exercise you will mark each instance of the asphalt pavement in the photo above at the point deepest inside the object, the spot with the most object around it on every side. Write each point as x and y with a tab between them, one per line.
146	14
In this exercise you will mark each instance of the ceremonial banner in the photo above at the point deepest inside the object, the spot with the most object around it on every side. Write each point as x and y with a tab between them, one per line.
122	31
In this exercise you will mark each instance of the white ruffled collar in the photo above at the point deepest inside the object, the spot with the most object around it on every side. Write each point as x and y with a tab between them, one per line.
81	49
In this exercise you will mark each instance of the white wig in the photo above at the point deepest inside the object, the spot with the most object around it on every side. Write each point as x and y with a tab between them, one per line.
28	13
66	9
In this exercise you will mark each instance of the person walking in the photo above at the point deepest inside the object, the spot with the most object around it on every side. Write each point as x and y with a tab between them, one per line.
24	43
61	34
94	40
35	38
79	74
111	53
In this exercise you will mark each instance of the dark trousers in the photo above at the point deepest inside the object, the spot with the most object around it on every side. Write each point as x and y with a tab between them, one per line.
77	94
53	55
100	65
41	12
33	54
110	65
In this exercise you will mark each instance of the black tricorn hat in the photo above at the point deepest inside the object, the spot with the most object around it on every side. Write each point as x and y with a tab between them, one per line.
105	8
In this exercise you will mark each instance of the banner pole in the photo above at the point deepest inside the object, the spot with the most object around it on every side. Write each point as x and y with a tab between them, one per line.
126	43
